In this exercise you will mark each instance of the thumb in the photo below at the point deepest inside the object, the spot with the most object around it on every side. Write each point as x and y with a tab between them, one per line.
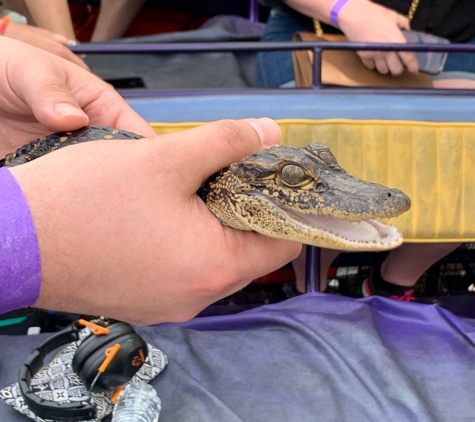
402	22
55	107
211	147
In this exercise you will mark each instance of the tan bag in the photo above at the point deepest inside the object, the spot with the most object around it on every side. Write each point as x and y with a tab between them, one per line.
345	68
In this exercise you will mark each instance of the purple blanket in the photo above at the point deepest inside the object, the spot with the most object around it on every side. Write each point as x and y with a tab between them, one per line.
316	357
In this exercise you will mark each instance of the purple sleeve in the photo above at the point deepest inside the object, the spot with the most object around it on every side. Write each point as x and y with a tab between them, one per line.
20	264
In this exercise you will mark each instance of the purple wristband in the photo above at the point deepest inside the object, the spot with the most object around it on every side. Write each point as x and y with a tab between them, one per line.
20	263
336	9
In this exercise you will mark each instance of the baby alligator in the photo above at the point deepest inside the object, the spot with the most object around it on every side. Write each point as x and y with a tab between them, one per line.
300	194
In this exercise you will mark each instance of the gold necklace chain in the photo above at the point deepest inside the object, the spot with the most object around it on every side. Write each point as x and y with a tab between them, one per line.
412	10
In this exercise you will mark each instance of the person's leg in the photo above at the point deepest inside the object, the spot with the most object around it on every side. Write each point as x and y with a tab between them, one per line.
407	263
399	272
275	69
459	71
454	83
114	18
53	15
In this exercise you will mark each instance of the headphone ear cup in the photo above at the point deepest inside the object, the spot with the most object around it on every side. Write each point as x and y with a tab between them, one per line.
128	360
91	353
91	343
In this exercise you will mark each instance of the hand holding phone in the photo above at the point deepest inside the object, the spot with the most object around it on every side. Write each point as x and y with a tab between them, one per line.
431	62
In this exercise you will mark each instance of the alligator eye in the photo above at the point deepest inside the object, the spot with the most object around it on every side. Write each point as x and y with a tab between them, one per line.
292	174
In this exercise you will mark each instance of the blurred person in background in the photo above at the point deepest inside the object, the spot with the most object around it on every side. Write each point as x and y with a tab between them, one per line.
114	17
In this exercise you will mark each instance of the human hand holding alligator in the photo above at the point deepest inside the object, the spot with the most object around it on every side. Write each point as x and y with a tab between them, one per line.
142	244
122	232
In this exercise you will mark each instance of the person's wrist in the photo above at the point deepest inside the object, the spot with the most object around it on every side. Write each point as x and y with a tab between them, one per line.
338	5
350	15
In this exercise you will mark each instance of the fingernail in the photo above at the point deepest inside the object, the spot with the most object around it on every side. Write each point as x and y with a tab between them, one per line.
66	109
267	129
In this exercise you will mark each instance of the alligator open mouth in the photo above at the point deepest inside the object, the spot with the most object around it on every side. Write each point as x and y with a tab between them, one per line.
355	235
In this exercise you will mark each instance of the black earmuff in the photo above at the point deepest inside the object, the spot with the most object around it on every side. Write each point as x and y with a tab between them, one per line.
91	353
107	359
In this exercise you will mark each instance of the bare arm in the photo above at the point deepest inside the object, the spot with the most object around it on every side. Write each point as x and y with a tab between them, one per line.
53	15
365	21
114	18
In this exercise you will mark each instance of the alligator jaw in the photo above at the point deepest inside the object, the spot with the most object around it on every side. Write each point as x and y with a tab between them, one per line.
361	235
331	232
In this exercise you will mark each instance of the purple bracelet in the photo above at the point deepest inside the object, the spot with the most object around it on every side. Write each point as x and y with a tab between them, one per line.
20	263
336	9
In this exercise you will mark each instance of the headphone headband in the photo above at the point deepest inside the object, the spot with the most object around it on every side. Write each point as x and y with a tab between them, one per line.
33	363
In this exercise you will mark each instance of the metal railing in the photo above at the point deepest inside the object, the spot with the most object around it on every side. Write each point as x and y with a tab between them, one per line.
316	47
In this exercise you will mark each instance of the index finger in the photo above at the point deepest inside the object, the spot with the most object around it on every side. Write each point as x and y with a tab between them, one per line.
103	104
119	114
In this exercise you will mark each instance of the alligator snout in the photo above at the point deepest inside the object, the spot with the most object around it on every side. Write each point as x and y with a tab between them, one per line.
397	199
394	194
389	203
354	199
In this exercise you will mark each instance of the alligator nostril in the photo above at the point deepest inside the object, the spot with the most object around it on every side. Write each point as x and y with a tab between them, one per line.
389	195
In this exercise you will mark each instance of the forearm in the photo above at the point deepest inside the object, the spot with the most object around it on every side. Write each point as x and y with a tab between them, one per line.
20	268
320	9
115	17
53	15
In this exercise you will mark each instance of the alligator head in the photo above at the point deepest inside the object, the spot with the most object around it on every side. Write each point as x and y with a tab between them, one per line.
302	194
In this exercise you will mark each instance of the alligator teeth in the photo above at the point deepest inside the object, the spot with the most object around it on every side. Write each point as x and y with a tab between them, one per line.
374	234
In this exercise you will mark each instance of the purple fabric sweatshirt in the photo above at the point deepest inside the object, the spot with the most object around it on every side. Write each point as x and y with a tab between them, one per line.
20	264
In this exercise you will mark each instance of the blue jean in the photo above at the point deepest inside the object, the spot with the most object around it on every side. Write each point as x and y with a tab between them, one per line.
459	65
274	69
